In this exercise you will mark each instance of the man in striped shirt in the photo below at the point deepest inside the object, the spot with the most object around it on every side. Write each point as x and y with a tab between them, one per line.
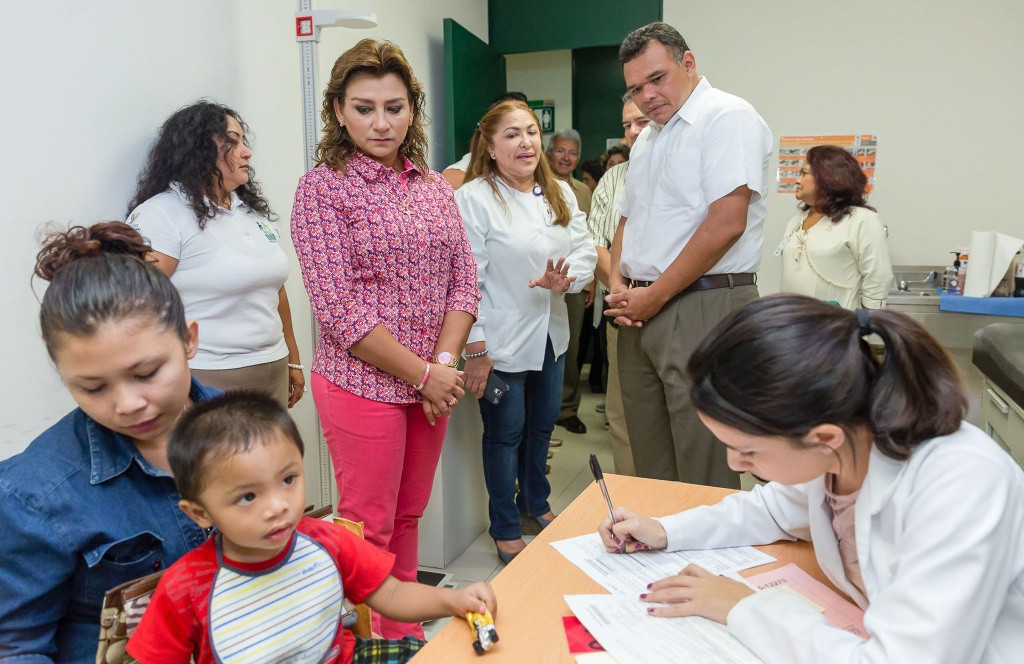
603	221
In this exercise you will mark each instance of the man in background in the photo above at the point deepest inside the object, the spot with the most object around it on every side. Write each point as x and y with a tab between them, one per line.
564	155
603	222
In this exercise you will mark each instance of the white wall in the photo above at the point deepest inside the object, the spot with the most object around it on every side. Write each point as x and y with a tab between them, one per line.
937	80
544	75
87	84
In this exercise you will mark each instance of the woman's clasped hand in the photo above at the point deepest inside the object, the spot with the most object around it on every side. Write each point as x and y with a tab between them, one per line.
442	391
693	592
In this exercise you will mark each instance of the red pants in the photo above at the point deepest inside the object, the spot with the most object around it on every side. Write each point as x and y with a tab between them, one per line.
384	458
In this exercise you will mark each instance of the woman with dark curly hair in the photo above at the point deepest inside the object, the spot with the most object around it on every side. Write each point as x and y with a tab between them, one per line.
834	248
392	281
210	226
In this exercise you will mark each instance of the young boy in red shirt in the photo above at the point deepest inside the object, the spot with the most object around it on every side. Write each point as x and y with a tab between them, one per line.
268	585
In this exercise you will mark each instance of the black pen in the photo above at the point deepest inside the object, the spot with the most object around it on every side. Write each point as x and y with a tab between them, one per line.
595	468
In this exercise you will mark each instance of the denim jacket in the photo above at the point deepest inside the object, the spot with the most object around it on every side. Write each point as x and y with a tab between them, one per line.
81	511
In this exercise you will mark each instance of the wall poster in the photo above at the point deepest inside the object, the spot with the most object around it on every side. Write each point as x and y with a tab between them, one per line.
793	150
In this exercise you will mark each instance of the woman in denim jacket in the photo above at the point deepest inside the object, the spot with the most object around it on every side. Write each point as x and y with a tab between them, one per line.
91	503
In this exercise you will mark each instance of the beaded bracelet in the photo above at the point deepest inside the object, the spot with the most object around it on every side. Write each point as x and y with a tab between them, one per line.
473	356
295	366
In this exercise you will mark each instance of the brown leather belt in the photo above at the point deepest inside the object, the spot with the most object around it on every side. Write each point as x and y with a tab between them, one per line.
709	282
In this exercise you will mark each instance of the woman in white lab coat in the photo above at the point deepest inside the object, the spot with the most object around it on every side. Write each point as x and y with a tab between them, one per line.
915	514
531	245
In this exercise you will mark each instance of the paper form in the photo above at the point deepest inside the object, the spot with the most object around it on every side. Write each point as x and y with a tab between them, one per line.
630	574
838	611
621	624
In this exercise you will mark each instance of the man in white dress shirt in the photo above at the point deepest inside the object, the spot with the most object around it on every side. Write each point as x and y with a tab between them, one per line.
687	248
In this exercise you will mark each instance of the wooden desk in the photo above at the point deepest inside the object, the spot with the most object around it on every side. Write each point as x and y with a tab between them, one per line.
530	590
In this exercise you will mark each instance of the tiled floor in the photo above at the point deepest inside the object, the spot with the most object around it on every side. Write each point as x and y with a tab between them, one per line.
570	474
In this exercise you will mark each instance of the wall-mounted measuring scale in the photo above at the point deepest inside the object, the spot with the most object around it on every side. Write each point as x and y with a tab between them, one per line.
308	23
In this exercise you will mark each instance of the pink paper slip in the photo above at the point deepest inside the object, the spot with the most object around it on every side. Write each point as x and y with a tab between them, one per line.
580	640
840	612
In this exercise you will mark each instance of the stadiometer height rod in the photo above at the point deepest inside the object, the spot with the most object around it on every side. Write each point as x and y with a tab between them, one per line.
308	23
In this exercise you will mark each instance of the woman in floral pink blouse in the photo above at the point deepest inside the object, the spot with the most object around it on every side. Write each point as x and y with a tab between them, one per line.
392	281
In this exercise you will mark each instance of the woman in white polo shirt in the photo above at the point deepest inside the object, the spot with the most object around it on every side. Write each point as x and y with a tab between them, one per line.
212	233
531	245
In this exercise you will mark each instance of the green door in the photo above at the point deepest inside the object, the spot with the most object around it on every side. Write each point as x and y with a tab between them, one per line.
474	74
597	87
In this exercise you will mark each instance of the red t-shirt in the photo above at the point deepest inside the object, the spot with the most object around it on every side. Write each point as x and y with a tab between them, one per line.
287	608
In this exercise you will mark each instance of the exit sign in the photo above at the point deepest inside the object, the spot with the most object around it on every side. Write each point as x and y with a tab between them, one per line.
545	110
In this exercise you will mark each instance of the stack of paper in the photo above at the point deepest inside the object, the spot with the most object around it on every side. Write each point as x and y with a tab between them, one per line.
620	622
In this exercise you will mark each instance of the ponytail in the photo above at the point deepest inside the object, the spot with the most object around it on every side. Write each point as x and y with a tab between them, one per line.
100	274
917	393
784	364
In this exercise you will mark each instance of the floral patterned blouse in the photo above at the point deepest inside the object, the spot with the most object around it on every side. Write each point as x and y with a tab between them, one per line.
379	248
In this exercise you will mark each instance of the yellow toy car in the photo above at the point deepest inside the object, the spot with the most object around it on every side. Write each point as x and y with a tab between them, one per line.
482	626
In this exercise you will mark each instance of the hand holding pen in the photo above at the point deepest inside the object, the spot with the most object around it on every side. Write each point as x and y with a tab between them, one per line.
625	531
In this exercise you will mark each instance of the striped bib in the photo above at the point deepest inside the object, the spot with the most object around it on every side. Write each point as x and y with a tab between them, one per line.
289	613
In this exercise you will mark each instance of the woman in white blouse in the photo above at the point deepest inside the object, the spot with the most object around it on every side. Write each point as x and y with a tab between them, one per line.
834	248
531	245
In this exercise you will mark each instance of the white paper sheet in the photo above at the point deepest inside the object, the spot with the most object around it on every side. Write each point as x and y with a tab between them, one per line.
990	256
622	626
630	574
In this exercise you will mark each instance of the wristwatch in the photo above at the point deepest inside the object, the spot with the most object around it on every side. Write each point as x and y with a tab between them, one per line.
447	359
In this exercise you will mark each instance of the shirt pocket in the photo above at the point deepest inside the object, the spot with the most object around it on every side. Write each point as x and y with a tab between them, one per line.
114	563
679	183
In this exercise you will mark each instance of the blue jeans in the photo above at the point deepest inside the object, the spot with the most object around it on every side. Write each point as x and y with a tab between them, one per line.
515	445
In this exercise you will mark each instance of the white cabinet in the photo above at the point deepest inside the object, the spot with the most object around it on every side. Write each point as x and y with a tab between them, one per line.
1003	419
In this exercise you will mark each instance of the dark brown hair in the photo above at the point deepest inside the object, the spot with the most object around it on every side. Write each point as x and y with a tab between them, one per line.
784	364
100	274
839	181
228	424
376	58
482	166
186	152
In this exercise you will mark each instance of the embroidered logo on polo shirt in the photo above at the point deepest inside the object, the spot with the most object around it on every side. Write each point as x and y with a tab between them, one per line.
288	614
267	229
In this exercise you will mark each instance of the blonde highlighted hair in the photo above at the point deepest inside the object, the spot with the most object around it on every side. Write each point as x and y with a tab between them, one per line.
376	58
481	164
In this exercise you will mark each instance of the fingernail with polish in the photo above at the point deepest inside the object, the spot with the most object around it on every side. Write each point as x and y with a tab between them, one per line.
643	595
650	610
649	585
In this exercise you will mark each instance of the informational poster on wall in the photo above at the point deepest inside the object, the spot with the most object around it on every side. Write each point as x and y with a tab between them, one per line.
793	151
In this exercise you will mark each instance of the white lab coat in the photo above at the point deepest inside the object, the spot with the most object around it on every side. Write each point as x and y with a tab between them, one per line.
940	543
512	244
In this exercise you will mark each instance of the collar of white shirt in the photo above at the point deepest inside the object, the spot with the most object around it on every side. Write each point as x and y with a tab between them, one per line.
693	107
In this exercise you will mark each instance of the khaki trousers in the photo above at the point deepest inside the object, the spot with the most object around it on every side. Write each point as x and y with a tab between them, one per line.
269	377
668	439
621	451
575	303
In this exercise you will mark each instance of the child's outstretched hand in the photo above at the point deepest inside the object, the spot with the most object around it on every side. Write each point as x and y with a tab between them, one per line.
475	598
